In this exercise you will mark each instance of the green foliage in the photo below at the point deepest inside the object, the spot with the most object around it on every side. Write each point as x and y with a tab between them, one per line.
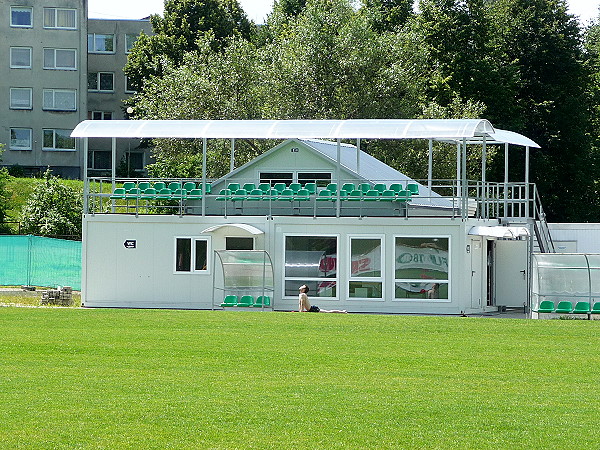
53	209
388	15
4	199
110	378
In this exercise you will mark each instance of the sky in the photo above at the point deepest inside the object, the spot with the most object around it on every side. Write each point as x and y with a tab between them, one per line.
257	10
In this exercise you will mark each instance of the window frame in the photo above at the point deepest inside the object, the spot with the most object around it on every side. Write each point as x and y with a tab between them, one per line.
447	282
98	84
102	113
30	107
54	92
12	65
302	280
193	270
380	279
30	8
10	144
127	38
55	67
54	148
92	159
127	87
94	50
247	238
56	10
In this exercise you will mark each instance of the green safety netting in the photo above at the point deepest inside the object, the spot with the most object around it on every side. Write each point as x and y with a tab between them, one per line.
39	261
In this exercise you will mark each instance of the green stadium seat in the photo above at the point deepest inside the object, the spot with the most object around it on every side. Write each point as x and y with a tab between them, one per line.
262	300
159	185
546	306
174	185
195	194
365	187
164	193
403	196
325	196
133	193
388	196
396	187
149	194
271	194
286	195
596	308
246	301
354	195
240	195
582	308
189	186
249	187
564	307
233	186
348	187
372	195
207	188
128	185
224	195
230	300
280	187
413	188
180	193
255	194
311	187
332	187
302	195
143	185
295	187
265	187
380	187
118	193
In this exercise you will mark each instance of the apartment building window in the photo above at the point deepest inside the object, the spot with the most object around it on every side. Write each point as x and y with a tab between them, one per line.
129	41
99	160
55	139
129	89
21	98
101	81
100	115
21	16
134	161
61	18
60	59
60	99
20	138
20	57
101	43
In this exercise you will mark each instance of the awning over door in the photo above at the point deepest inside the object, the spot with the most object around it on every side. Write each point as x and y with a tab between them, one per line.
242	226
500	232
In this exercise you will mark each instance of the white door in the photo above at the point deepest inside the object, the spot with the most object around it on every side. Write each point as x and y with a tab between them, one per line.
476	271
511	273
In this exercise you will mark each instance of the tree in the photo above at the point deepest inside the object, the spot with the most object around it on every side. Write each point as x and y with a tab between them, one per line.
4	195
388	15
183	24
53	209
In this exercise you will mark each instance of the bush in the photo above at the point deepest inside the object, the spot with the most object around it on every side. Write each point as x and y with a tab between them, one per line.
53	209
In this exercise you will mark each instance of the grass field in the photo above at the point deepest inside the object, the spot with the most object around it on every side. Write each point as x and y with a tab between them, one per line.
82	378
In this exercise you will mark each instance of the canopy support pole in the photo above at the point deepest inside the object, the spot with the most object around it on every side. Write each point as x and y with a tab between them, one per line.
527	181
430	166
203	177
458	176
86	182
232	156
114	162
337	176
505	179
358	156
484	191
465	187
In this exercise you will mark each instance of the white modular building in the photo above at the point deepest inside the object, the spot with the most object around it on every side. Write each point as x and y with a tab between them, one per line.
363	236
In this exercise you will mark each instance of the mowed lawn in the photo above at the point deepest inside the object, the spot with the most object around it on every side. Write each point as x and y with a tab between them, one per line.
84	378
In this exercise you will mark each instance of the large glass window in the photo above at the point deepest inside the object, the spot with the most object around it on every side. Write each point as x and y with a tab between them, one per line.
20	138
62	18
191	254
60	99
101	43
99	159
311	260
321	178
276	177
365	280
21	98
60	59
55	139
129	41
101	81
421	268
21	16
20	57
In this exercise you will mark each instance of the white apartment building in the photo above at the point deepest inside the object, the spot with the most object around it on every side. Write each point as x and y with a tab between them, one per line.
61	68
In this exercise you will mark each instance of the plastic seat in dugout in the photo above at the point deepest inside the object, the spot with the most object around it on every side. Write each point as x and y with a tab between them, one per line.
564	307
262	300
582	308
596	308
246	301
229	301
546	306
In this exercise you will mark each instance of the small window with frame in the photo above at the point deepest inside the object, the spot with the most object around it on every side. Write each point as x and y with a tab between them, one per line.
239	243
192	254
